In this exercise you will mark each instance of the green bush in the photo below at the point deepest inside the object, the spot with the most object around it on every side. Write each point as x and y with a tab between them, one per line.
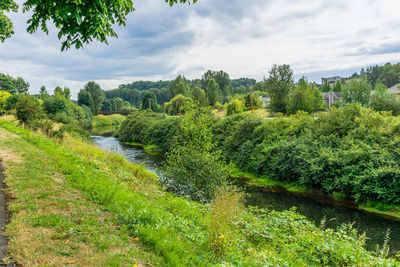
236	106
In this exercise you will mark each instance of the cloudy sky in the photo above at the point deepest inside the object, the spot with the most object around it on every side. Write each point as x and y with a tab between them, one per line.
243	38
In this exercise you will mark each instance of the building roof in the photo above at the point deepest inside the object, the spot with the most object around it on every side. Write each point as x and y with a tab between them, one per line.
395	89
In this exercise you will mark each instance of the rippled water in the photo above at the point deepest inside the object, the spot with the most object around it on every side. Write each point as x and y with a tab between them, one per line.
374	226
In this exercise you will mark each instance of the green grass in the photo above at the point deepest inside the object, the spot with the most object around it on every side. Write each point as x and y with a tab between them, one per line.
74	191
52	223
266	182
109	120
150	149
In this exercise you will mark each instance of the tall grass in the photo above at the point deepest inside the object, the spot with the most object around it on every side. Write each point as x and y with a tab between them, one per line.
180	230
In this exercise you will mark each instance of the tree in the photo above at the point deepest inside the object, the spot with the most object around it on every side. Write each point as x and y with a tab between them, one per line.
196	93
279	85
149	101
337	87
7	84
382	100
43	94
203	100
236	106
78	22
357	91
55	104
213	92
194	167
178	86
27	109
21	86
58	91
97	94
85	99
118	103
179	105
3	99
67	93
326	87
221	78
107	105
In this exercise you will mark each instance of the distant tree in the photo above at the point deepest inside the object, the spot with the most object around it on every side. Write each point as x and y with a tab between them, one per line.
205	78
85	99
203	100
372	74
337	87
326	87
178	86
260	86
67	93
96	93
302	98
221	78
236	106
58	91
21	86
213	92
43	94
7	84
55	104
149	101
107	105
382	100
118	103
356	91
179	105
279	85
27	109
196	93
390	78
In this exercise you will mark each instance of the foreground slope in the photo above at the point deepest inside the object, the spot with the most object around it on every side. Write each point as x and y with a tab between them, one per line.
74	204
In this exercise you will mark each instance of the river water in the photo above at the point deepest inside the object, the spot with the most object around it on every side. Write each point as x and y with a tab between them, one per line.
374	226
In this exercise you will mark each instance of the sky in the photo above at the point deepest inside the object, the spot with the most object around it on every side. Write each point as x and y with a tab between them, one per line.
243	38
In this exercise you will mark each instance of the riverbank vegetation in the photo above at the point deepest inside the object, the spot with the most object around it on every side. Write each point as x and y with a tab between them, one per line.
349	153
105	121
182	232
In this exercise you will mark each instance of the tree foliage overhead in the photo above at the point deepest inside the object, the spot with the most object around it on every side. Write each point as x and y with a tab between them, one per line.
78	21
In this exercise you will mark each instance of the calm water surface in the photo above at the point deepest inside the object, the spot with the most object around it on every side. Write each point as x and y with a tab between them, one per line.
374	226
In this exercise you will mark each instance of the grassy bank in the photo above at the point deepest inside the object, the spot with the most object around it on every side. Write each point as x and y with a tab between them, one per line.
53	223
150	149
101	121
74	195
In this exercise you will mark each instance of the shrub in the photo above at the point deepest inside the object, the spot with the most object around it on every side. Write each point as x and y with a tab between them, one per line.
236	106
27	110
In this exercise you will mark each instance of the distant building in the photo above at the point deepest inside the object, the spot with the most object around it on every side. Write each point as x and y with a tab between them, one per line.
331	98
395	89
331	80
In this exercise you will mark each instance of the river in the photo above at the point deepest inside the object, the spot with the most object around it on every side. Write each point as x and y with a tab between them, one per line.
374	226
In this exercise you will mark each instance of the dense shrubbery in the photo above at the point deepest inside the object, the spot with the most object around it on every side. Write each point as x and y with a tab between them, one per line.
351	151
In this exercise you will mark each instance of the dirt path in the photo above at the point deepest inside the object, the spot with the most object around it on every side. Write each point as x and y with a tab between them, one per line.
3	217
